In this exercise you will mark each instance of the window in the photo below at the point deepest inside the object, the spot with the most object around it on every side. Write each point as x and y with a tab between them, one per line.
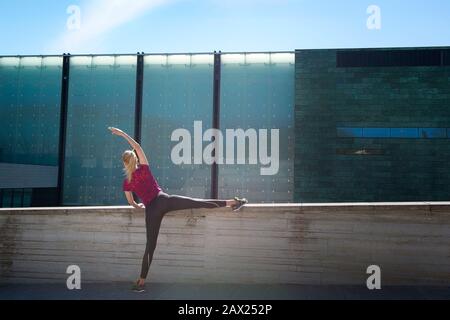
350	132
376	132
389	58
429	133
15	198
27	193
8	197
446	57
404	133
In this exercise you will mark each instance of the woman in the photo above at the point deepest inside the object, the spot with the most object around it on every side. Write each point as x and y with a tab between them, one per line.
139	179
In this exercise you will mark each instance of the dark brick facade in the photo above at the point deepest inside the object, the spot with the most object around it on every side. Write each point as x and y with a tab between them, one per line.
332	168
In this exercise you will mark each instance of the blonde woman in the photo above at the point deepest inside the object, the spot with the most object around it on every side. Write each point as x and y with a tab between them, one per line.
140	180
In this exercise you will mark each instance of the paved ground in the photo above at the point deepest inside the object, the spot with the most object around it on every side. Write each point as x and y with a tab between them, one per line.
160	291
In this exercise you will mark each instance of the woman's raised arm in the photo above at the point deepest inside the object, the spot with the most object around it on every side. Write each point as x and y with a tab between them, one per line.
136	146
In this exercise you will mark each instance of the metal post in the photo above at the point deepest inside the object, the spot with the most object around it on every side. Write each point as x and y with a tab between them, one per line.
63	126
216	121
139	93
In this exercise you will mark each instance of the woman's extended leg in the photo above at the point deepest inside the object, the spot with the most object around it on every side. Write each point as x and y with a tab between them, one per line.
176	202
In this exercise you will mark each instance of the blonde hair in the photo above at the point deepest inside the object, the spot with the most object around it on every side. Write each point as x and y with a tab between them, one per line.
130	161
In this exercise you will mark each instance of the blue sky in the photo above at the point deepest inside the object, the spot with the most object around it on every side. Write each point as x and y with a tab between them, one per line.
128	26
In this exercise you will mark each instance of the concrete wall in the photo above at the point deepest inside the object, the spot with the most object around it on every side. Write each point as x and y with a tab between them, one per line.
302	244
332	169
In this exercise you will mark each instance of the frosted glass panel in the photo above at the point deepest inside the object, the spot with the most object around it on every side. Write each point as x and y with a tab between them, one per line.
258	93
178	90
30	89
101	94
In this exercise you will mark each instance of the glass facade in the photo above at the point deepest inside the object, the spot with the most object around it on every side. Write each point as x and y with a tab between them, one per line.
178	91
30	89
257	97
102	93
257	94
15	198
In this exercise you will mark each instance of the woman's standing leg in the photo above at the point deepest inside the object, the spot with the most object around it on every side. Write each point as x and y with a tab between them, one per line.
154	214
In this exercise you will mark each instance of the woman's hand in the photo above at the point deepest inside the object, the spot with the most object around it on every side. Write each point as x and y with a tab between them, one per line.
116	131
136	146
140	206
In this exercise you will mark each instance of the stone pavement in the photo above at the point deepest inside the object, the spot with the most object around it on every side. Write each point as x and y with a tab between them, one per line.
165	291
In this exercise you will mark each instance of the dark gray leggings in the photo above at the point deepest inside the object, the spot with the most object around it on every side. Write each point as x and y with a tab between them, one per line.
154	213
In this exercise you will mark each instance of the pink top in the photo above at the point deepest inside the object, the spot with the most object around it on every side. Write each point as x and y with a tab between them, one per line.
143	184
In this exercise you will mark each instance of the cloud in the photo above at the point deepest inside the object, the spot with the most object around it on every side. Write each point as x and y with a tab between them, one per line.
250	3
99	17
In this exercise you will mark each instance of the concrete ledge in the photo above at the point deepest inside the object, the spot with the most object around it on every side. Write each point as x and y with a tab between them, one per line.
443	207
303	244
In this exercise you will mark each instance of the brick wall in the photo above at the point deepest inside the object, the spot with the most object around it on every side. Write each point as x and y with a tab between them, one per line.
328	168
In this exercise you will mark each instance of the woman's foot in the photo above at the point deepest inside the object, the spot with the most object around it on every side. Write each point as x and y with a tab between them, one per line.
139	286
239	203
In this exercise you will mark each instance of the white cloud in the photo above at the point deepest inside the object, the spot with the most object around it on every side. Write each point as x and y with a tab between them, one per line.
236	4
99	17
